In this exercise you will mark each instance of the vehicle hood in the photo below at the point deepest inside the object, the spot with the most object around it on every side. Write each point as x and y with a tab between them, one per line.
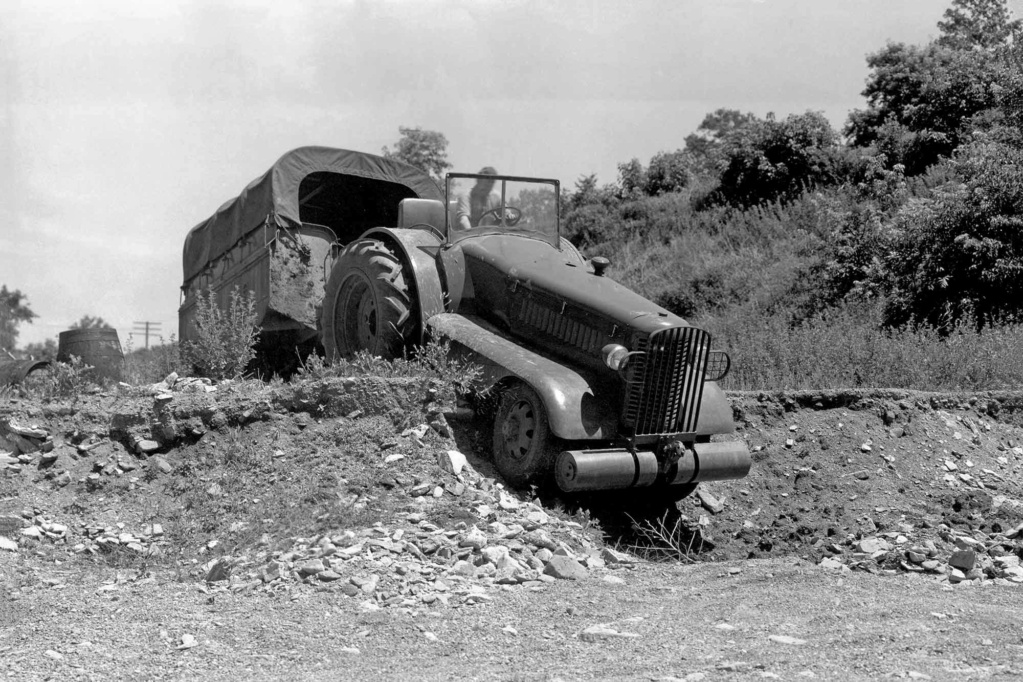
522	266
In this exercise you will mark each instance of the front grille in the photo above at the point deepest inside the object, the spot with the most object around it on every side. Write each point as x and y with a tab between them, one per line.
665	382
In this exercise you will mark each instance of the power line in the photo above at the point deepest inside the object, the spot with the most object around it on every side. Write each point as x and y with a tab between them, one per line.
145	327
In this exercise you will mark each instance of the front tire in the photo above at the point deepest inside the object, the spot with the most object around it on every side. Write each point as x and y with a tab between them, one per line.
523	443
367	305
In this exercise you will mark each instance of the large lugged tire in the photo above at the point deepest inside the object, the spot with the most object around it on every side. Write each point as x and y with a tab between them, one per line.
366	304
523	444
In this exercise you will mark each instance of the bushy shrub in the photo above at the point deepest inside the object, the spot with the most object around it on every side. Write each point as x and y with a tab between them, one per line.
668	172
225	338
59	381
778	160
433	360
960	253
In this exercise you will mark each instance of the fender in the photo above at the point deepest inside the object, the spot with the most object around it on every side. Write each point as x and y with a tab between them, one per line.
417	248
715	411
574	410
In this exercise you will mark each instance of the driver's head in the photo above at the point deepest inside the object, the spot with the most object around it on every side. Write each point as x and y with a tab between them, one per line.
486	184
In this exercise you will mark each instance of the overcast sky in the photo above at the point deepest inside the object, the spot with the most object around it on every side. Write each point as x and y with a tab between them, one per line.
125	123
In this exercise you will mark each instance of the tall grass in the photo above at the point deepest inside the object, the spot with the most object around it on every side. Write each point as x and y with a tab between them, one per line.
849	348
695	263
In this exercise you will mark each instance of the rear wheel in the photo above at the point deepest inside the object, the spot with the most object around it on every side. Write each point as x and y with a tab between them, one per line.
367	305
523	444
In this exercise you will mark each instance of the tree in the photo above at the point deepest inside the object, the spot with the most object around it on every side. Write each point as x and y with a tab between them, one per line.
982	24
705	147
89	322
668	172
589	213
960	253
427	150
769	160
631	179
586	192
47	350
923	102
13	311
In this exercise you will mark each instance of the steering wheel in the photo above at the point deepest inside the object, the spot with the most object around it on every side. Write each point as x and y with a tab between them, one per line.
512	215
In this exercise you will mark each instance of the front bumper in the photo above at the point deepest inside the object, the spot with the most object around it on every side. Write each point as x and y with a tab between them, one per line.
619	468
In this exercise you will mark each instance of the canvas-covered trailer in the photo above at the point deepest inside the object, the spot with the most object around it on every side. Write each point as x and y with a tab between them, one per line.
279	236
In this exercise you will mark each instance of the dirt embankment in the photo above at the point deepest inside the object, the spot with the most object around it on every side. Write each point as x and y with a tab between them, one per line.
831	468
355	488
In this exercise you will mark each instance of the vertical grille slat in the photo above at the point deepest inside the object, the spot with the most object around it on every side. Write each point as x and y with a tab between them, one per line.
667	382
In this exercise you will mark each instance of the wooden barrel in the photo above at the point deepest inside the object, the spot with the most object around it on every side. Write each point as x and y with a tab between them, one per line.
97	347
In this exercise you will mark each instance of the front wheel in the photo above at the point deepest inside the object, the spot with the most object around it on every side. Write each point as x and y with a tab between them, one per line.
367	305
523	444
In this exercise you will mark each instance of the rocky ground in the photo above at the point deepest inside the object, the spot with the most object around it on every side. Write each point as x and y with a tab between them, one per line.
373	500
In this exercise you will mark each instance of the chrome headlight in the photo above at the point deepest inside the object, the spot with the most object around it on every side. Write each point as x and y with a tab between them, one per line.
614	355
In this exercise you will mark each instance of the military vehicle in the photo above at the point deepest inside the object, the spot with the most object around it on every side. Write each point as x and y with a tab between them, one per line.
595	386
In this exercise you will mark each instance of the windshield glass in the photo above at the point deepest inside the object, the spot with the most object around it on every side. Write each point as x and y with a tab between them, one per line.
488	204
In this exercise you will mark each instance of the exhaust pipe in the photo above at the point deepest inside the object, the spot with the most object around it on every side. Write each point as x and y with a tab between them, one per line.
616	468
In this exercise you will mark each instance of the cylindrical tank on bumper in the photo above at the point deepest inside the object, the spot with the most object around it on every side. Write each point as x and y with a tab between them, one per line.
618	468
577	470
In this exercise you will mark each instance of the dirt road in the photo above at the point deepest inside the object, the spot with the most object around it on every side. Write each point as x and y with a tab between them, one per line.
777	619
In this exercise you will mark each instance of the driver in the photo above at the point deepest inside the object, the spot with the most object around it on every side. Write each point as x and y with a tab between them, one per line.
480	200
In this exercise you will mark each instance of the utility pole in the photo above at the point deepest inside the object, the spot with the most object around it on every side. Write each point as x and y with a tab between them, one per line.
144	328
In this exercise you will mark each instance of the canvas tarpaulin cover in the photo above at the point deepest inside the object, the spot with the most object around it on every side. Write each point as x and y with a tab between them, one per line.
275	196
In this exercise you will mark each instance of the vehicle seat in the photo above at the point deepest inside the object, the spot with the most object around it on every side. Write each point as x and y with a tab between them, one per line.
418	212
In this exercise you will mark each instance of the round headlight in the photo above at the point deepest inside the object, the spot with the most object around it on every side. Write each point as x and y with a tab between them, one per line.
615	356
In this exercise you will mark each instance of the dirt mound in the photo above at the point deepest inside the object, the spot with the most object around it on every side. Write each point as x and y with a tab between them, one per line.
258	485
834	468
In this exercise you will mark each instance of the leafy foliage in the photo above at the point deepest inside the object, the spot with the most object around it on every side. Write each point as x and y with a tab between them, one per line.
13	311
668	172
434	360
632	179
60	380
706	146
427	150
921	101
225	339
983	24
47	350
960	254
89	322
769	160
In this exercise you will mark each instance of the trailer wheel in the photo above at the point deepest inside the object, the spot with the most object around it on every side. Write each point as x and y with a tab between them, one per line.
367	305
523	444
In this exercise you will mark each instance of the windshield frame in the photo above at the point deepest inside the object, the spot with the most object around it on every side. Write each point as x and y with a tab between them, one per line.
452	235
